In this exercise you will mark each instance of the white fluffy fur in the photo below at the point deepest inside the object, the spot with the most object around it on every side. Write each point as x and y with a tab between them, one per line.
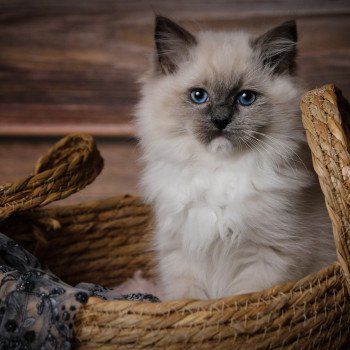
227	221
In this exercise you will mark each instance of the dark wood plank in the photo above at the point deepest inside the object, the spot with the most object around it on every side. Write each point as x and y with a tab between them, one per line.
72	66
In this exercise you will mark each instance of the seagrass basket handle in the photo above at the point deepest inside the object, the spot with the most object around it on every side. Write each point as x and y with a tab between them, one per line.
70	165
325	115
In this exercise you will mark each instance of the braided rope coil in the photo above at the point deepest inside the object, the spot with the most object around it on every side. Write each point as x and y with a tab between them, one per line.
69	166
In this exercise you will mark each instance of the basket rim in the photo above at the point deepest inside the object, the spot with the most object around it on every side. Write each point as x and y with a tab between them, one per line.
275	291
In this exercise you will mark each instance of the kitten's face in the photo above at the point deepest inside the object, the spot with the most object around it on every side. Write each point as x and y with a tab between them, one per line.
228	91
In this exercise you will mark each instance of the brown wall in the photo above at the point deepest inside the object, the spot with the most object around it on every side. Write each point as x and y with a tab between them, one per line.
72	65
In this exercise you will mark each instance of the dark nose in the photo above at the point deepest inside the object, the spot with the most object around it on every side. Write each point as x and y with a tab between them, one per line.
221	122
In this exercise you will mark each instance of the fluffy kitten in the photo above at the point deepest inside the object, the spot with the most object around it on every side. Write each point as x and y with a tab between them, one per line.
238	208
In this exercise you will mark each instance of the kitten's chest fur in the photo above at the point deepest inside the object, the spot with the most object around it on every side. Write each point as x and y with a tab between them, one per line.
206	201
231	226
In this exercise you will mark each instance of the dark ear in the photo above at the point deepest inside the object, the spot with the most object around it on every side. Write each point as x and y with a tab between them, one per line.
172	44
277	47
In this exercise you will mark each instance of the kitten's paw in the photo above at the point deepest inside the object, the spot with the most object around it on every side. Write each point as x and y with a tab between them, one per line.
138	284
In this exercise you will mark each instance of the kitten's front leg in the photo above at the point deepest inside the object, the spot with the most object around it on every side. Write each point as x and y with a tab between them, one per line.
178	278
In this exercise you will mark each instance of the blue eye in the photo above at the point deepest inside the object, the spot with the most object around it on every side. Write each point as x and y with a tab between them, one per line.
199	96
246	98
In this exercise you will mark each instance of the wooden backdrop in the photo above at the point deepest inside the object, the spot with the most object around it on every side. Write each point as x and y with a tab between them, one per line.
72	65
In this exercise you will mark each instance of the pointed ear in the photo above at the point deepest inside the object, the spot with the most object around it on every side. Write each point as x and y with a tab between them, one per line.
277	48
172	44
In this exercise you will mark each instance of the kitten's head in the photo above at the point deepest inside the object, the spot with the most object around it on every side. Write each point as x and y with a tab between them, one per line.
224	91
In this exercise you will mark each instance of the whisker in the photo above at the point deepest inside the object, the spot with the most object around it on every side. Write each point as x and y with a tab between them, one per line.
267	148
285	146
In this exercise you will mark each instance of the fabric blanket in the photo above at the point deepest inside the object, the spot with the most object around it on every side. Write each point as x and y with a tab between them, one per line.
37	309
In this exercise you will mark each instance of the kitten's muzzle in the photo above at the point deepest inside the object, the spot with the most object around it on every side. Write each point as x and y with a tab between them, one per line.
221	116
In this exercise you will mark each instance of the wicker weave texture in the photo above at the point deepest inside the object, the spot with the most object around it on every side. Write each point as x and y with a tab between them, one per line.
106	241
312	313
326	136
103	241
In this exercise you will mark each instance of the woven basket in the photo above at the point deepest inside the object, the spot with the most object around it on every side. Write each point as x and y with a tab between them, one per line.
106	241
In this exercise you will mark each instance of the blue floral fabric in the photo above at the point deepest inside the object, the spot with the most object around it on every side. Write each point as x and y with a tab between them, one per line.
37	309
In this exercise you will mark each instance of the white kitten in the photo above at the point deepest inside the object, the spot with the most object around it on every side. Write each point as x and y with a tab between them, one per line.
237	207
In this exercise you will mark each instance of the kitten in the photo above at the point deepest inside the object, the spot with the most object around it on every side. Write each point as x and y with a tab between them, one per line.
237	205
